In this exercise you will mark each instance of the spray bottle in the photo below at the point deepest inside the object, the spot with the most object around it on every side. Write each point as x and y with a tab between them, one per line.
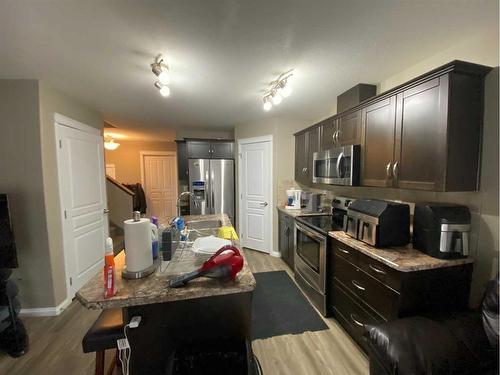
109	270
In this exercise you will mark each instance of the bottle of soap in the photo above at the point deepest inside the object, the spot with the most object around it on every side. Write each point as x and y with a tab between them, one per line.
109	270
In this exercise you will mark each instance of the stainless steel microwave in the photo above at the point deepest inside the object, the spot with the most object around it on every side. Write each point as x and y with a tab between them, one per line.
338	166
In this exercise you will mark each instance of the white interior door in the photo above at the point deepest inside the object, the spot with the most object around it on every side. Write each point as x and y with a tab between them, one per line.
255	172
159	180
80	160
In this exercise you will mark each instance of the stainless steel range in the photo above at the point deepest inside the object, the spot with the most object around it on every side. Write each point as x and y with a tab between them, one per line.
311	244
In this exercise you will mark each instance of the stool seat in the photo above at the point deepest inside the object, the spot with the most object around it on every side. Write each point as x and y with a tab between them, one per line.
104	332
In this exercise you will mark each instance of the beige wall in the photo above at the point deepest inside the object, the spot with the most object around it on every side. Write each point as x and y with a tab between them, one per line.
483	204
126	158
21	178
53	101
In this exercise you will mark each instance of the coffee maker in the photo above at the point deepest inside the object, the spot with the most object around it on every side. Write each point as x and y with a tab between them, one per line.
441	230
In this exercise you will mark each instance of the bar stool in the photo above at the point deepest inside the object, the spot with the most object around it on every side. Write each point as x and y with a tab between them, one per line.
103	335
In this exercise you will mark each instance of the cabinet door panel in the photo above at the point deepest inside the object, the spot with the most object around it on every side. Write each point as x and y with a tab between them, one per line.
328	129
378	134
312	147
198	150
349	129
222	150
421	136
301	157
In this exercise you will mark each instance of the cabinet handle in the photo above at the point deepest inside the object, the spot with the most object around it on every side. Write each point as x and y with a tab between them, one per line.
343	250
336	136
357	322
388	170
333	136
356	284
395	170
339	132
377	270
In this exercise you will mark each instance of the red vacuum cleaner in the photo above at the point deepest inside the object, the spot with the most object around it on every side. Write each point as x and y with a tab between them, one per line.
220	266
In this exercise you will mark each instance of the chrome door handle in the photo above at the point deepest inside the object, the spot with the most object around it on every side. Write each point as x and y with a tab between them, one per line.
338	135
105	211
339	160
357	322
388	170
264	204
395	169
377	270
343	250
355	283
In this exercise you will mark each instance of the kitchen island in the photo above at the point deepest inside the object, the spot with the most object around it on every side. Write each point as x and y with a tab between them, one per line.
174	319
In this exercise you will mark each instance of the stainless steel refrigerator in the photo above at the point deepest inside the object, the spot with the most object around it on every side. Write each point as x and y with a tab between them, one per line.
212	183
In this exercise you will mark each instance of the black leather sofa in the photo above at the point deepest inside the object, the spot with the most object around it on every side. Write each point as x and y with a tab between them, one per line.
462	343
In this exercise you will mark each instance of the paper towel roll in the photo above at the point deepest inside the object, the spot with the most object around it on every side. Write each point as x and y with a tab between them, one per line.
138	247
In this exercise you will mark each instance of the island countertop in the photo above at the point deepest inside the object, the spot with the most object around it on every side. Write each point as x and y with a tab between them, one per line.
403	258
155	289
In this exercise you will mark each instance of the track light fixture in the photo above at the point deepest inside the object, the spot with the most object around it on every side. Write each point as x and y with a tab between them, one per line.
161	70
279	89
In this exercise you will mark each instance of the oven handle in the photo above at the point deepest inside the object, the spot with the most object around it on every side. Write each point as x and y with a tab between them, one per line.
309	232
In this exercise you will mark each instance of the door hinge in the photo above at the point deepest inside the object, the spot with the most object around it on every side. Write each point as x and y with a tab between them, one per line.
70	281
65	214
60	143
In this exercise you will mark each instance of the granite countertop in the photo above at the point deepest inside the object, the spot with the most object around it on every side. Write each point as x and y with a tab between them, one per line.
155	289
296	213
404	259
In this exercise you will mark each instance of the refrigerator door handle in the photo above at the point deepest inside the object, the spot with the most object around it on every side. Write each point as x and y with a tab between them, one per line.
212	209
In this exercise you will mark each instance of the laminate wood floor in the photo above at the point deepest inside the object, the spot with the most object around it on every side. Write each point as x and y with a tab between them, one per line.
55	343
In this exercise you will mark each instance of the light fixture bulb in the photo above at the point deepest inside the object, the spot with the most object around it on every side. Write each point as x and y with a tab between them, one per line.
277	98
164	77
267	105
111	145
165	91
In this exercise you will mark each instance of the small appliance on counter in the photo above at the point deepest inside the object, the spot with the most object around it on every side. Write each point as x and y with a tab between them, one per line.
311	201
378	223
293	201
441	230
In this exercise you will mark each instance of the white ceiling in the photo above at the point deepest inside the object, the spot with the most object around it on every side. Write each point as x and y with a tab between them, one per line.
223	53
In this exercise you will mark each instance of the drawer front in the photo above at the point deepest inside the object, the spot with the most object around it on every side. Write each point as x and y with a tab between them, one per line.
344	251
385	274
352	316
370	291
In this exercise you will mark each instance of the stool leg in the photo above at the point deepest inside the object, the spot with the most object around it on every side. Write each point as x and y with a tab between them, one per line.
99	363
112	365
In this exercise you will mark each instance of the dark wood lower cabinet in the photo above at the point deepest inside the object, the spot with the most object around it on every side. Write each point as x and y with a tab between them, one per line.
362	290
285	240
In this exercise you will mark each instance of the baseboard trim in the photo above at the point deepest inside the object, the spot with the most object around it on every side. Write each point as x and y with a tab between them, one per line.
275	254
46	311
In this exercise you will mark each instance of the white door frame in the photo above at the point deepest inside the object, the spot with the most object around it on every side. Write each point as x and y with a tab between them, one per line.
245	141
158	153
61	120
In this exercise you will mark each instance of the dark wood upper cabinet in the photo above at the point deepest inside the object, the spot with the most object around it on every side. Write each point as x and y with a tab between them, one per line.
301	141
379	122
210	149
349	128
420	148
306	144
424	134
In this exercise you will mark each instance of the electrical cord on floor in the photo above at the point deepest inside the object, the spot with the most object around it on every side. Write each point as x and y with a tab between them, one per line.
124	352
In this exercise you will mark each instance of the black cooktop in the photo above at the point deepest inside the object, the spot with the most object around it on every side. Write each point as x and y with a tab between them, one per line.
322	223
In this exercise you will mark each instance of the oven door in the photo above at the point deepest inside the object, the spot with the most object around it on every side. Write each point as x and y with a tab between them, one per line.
310	256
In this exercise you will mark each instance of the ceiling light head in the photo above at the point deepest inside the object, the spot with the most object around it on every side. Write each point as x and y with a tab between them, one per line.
164	90
160	69
277	98
284	88
110	144
267	103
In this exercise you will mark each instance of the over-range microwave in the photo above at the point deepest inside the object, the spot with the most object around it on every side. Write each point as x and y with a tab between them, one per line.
338	166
